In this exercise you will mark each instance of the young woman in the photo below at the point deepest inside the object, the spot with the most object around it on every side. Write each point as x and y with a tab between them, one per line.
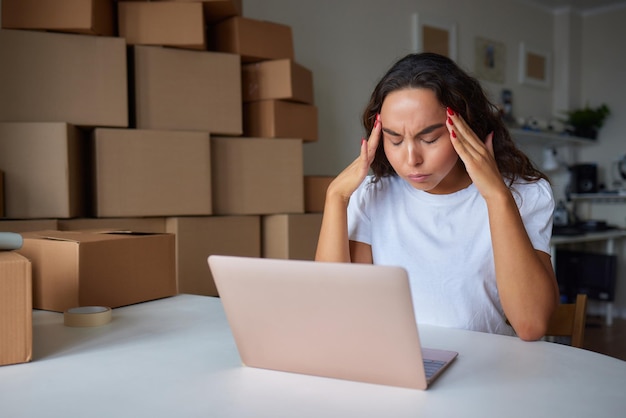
451	199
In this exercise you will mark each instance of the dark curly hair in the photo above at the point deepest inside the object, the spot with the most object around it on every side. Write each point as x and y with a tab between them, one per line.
461	92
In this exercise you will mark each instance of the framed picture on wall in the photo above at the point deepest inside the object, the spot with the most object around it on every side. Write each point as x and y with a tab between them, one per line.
434	35
490	60
535	66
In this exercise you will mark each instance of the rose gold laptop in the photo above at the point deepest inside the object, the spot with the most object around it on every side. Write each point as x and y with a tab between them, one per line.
338	320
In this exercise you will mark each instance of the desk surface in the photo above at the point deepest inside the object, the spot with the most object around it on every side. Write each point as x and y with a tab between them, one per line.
589	236
176	357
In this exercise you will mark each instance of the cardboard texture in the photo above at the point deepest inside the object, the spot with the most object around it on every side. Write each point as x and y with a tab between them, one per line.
315	192
178	89
27	225
216	10
1	194
54	77
254	40
291	236
280	119
154	225
77	268
151	173
278	80
94	17
16	318
256	176
178	24
199	237
45	173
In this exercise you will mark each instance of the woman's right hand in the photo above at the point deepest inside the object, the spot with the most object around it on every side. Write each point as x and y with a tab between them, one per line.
352	176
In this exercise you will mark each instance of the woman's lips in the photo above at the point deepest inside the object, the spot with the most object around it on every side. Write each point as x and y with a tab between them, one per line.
419	178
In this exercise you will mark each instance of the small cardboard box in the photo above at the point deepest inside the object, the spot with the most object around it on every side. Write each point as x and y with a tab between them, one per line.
291	236
315	192
170	23
94	17
44	166
83	268
79	79
280	119
149	224
199	237
257	176
216	10
151	173
179	89
278	80
255	40
16	310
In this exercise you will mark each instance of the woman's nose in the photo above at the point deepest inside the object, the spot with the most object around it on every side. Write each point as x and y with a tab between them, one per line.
414	155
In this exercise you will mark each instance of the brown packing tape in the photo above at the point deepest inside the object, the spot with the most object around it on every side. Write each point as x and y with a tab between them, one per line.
87	316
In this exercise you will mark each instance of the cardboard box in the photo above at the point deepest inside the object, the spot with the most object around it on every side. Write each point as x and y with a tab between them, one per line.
178	89
256	176
277	79
76	268
94	17
199	237
254	40
162	23
79	79
280	119
151	173
45	173
291	236
16	311
216	10
1	194
154	225
27	225
315	192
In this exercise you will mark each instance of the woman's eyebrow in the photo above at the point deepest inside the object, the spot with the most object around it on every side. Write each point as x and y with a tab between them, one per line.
424	131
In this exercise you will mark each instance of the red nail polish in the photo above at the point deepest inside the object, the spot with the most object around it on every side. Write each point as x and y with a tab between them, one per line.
450	121
453	134
450	111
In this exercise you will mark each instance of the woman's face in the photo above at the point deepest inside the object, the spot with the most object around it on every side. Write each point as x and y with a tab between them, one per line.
417	142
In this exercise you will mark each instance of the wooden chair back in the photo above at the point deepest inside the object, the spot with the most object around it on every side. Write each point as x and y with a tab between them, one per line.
569	321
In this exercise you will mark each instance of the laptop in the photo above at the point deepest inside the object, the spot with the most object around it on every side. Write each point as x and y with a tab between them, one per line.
336	320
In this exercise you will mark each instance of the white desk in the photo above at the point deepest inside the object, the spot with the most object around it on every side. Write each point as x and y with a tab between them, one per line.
176	358
609	237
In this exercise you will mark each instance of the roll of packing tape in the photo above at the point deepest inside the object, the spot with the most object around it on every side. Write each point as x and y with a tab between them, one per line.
87	316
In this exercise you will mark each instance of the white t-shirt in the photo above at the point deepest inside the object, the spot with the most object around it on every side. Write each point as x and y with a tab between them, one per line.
444	243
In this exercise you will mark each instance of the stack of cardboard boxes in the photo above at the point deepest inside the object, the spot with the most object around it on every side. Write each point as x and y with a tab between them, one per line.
182	122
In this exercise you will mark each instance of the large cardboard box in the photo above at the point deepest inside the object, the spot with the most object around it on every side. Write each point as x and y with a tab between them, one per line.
44	165
95	17
16	311
291	236
55	77
179	89
151	173
257	176
27	225
277	79
280	119
199	237
254	40
79	268
315	192
162	23
148	224
216	10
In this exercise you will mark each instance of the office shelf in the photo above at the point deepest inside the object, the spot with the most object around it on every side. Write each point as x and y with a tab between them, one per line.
524	136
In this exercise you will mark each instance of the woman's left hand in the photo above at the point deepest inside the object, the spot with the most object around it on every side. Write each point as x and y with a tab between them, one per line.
478	156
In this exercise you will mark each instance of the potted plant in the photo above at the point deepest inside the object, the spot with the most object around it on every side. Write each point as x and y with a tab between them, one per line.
587	121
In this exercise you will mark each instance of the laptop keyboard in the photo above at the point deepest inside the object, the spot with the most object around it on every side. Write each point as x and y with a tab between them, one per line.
432	366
